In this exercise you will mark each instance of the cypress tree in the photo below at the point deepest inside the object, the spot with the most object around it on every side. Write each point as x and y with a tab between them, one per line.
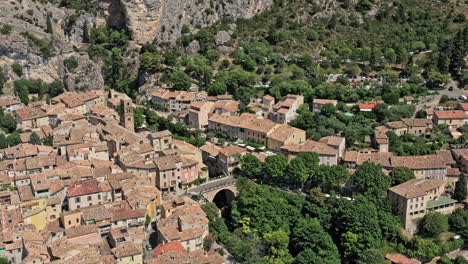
49	25
460	191
85	32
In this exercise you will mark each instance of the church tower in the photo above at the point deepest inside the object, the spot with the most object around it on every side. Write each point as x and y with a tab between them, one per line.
126	118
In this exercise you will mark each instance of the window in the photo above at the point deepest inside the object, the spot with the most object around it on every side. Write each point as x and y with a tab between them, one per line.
77	220
69	222
89	198
77	199
99	197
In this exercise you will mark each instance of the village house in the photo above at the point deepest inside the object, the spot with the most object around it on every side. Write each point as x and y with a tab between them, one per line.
463	107
327	155
186	223
87	151
286	108
128	253
412	126
338	143
397	258
414	198
317	104
228	159
127	217
461	158
369	106
10	104
88	193
72	101
226	108
250	128
198	114
26	150
427	166
31	117
176	101
453	118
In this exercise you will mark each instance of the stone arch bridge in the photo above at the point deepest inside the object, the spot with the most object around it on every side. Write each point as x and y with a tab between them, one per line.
221	192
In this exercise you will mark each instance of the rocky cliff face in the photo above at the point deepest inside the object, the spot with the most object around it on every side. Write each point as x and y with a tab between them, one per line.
41	53
162	20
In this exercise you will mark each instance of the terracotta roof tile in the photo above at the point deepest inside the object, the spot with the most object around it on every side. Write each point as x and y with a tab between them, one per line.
416	187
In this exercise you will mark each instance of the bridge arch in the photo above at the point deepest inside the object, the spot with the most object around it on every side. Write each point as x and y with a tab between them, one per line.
222	196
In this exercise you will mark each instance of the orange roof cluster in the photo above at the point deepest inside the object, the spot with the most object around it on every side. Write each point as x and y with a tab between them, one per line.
451	114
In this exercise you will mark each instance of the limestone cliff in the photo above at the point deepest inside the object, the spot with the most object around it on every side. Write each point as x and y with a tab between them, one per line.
162	20
41	53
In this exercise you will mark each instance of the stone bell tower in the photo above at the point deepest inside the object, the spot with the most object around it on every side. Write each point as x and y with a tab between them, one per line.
126	118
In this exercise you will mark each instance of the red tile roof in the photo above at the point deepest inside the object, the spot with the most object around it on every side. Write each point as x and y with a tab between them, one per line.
370	105
463	106
451	114
401	259
83	188
28	113
168	247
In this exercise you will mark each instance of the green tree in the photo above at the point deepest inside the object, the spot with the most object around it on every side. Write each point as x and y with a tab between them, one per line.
310	159
309	234
369	176
460	192
277	247
3	142
458	221
390	55
298	172
9	123
151	62
17	69
401	175
391	97
434	223
22	91
443	99
3	79
276	166
49	28
34	139
70	63
56	88
350	245
376	57
138	117
4	260
251	166
331	177
181	80
86	38
436	79
13	139
48	141
372	256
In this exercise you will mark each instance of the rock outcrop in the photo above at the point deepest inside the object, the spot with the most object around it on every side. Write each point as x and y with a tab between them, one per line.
162	20
41	53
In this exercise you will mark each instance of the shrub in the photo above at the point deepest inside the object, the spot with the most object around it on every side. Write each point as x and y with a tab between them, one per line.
17	69
70	63
6	29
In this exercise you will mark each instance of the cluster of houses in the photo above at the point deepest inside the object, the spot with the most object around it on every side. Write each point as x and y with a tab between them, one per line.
92	195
